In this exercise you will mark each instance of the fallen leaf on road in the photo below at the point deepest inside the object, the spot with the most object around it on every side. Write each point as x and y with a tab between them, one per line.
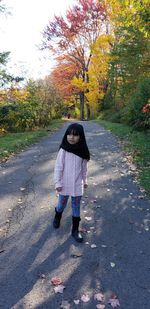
83	230
65	304
76	255
59	289
85	298
114	302
56	281
112	264
99	296
41	276
88	218
99	306
93	246
1	251
146	229
22	189
76	301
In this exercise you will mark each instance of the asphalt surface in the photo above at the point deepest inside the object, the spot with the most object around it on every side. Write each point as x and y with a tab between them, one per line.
115	218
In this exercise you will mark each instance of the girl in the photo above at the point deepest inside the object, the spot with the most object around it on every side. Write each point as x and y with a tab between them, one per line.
70	175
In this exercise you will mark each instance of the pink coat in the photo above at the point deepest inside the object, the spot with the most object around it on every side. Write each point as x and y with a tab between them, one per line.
70	173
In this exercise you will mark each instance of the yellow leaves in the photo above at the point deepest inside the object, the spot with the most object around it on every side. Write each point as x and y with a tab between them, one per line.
79	83
103	42
17	95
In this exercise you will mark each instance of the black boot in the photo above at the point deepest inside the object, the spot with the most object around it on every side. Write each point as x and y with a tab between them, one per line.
75	229
56	222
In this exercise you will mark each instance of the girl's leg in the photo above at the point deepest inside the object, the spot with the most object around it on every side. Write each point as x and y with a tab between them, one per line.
62	202
76	205
76	218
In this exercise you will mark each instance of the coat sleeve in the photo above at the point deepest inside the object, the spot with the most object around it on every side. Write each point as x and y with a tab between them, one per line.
59	167
84	171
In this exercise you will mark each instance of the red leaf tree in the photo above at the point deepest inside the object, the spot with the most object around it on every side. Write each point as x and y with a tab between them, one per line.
74	36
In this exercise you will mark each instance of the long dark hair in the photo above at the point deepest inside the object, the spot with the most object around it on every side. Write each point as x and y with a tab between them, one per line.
80	149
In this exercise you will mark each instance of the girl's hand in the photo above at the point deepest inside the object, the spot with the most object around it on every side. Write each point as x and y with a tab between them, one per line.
85	186
59	189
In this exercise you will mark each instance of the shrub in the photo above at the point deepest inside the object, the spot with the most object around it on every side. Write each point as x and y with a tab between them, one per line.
134	114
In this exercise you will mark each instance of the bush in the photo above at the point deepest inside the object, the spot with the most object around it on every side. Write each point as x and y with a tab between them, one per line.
134	114
111	115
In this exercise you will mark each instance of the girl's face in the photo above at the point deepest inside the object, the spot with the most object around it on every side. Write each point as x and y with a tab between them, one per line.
73	139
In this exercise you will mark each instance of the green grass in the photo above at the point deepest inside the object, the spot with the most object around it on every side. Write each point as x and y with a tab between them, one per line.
11	143
137	144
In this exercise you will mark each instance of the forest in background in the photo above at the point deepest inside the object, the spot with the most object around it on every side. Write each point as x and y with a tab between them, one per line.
102	67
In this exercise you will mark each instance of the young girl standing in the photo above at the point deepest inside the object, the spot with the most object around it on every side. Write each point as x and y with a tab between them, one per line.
70	175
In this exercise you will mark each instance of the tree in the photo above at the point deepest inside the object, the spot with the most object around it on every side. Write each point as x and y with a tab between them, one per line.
74	36
130	51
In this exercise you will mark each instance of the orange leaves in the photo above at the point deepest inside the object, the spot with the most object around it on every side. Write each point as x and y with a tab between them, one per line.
146	108
63	74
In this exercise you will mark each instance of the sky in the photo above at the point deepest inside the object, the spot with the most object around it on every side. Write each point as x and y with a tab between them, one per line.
21	34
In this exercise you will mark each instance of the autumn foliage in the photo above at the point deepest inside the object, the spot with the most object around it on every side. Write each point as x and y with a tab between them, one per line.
74	36
103	47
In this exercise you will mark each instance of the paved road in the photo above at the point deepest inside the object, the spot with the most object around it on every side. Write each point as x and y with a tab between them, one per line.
31	252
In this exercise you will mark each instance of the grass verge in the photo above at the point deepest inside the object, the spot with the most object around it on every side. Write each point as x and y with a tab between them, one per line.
11	143
137	145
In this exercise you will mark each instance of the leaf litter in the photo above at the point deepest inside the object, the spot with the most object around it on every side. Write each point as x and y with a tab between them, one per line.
114	302
99	296
56	281
59	288
100	306
85	298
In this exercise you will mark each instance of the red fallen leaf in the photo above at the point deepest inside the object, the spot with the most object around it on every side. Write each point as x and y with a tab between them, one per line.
56	281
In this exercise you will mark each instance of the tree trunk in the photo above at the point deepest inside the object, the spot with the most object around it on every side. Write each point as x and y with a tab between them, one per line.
87	111
82	105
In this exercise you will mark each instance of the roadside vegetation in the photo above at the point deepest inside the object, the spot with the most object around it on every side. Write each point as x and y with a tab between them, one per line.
11	143
136	145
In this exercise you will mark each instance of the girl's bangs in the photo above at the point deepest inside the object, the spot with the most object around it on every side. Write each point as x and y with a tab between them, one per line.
73	132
